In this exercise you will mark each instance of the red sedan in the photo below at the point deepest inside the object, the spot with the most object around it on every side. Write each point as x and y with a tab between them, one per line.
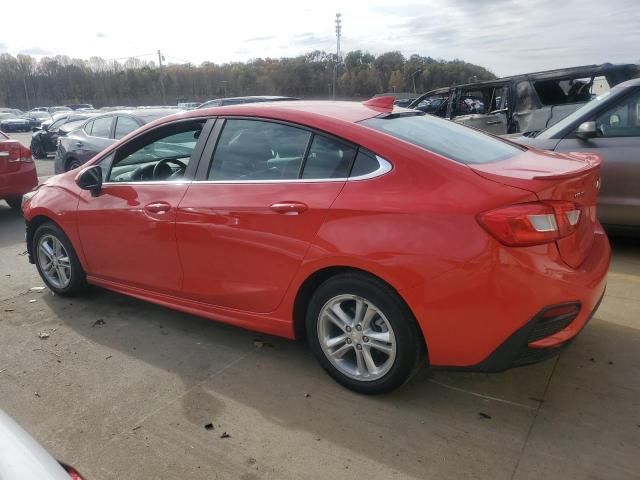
387	237
17	171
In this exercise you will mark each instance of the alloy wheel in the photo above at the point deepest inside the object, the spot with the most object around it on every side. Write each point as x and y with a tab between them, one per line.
356	337
54	261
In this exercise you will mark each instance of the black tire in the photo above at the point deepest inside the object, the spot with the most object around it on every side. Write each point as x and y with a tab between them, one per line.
410	347
37	151
77	283
72	164
15	202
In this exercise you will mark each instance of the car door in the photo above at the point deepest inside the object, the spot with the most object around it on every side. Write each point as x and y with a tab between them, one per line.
127	231
483	108
245	225
98	136
618	143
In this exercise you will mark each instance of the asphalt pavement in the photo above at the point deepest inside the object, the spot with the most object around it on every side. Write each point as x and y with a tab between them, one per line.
125	389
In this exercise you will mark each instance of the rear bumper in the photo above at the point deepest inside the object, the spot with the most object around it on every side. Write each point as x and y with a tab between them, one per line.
481	316
518	351
17	183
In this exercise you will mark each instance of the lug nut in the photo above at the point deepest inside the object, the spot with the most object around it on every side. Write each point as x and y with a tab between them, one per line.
359	347
358	327
348	329
365	339
349	340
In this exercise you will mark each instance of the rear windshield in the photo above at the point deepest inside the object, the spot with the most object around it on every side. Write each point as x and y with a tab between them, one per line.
445	138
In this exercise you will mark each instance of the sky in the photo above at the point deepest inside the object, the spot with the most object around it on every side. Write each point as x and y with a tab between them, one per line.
505	36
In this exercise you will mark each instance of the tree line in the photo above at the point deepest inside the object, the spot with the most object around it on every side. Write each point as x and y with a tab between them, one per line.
29	82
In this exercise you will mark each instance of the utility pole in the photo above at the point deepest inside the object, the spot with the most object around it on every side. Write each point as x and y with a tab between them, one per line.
335	68
164	95
26	91
413	78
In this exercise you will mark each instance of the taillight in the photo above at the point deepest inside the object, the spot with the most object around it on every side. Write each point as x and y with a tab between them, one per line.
535	223
73	473
16	152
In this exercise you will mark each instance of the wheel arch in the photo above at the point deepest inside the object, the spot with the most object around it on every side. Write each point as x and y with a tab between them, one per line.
315	279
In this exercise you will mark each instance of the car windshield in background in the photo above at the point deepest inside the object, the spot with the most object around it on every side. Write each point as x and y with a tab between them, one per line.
448	139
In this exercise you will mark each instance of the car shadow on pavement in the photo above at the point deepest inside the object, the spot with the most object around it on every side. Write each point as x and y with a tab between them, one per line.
264	390
11	226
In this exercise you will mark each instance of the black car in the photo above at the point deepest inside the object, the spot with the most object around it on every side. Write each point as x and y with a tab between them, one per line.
97	133
220	102
45	141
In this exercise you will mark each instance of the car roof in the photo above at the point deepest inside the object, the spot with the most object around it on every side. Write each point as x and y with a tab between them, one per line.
305	111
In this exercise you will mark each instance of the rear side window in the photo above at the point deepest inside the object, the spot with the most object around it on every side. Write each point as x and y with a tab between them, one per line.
102	127
365	164
453	141
258	150
328	158
124	126
88	127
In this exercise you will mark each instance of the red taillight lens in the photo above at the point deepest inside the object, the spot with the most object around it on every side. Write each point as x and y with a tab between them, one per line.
16	152
73	473
535	223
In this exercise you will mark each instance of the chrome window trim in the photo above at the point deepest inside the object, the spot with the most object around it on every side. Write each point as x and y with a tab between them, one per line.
384	167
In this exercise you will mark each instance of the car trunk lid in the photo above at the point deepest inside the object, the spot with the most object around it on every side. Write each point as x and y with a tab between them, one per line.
572	177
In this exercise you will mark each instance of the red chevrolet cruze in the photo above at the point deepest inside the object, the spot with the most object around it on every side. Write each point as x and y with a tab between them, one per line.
17	171
387	237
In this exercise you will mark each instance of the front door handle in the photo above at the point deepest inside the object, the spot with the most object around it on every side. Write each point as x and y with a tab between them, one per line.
494	122
158	207
289	208
79	144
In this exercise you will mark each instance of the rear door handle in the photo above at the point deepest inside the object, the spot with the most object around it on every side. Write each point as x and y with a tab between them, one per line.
158	207
289	208
78	144
494	122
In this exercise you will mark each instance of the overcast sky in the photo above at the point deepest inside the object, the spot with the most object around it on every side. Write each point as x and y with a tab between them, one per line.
506	36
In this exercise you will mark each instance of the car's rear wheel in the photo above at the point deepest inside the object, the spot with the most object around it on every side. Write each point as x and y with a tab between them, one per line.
15	202
72	164
363	334
57	261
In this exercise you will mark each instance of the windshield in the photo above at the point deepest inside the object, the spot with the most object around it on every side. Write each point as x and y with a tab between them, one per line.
584	110
456	142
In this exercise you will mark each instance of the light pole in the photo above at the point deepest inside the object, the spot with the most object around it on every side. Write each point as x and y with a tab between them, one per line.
413	78
335	67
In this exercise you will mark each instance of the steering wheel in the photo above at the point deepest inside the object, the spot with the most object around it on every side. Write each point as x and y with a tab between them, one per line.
157	170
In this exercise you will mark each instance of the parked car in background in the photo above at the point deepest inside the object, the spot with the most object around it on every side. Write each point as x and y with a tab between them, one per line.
97	133
523	103
39	109
45	141
609	126
188	105
22	458
80	106
221	102
60	108
10	122
37	118
17	172
288	219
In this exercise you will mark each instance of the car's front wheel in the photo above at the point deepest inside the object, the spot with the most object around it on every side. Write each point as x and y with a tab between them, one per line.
57	261
363	334
38	150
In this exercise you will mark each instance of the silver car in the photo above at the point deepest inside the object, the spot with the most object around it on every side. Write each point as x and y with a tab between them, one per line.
22	458
609	126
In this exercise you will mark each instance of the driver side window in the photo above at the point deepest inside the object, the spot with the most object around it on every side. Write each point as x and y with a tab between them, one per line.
623	120
160	155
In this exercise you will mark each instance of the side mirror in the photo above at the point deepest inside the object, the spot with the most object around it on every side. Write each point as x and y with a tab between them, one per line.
90	179
586	130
